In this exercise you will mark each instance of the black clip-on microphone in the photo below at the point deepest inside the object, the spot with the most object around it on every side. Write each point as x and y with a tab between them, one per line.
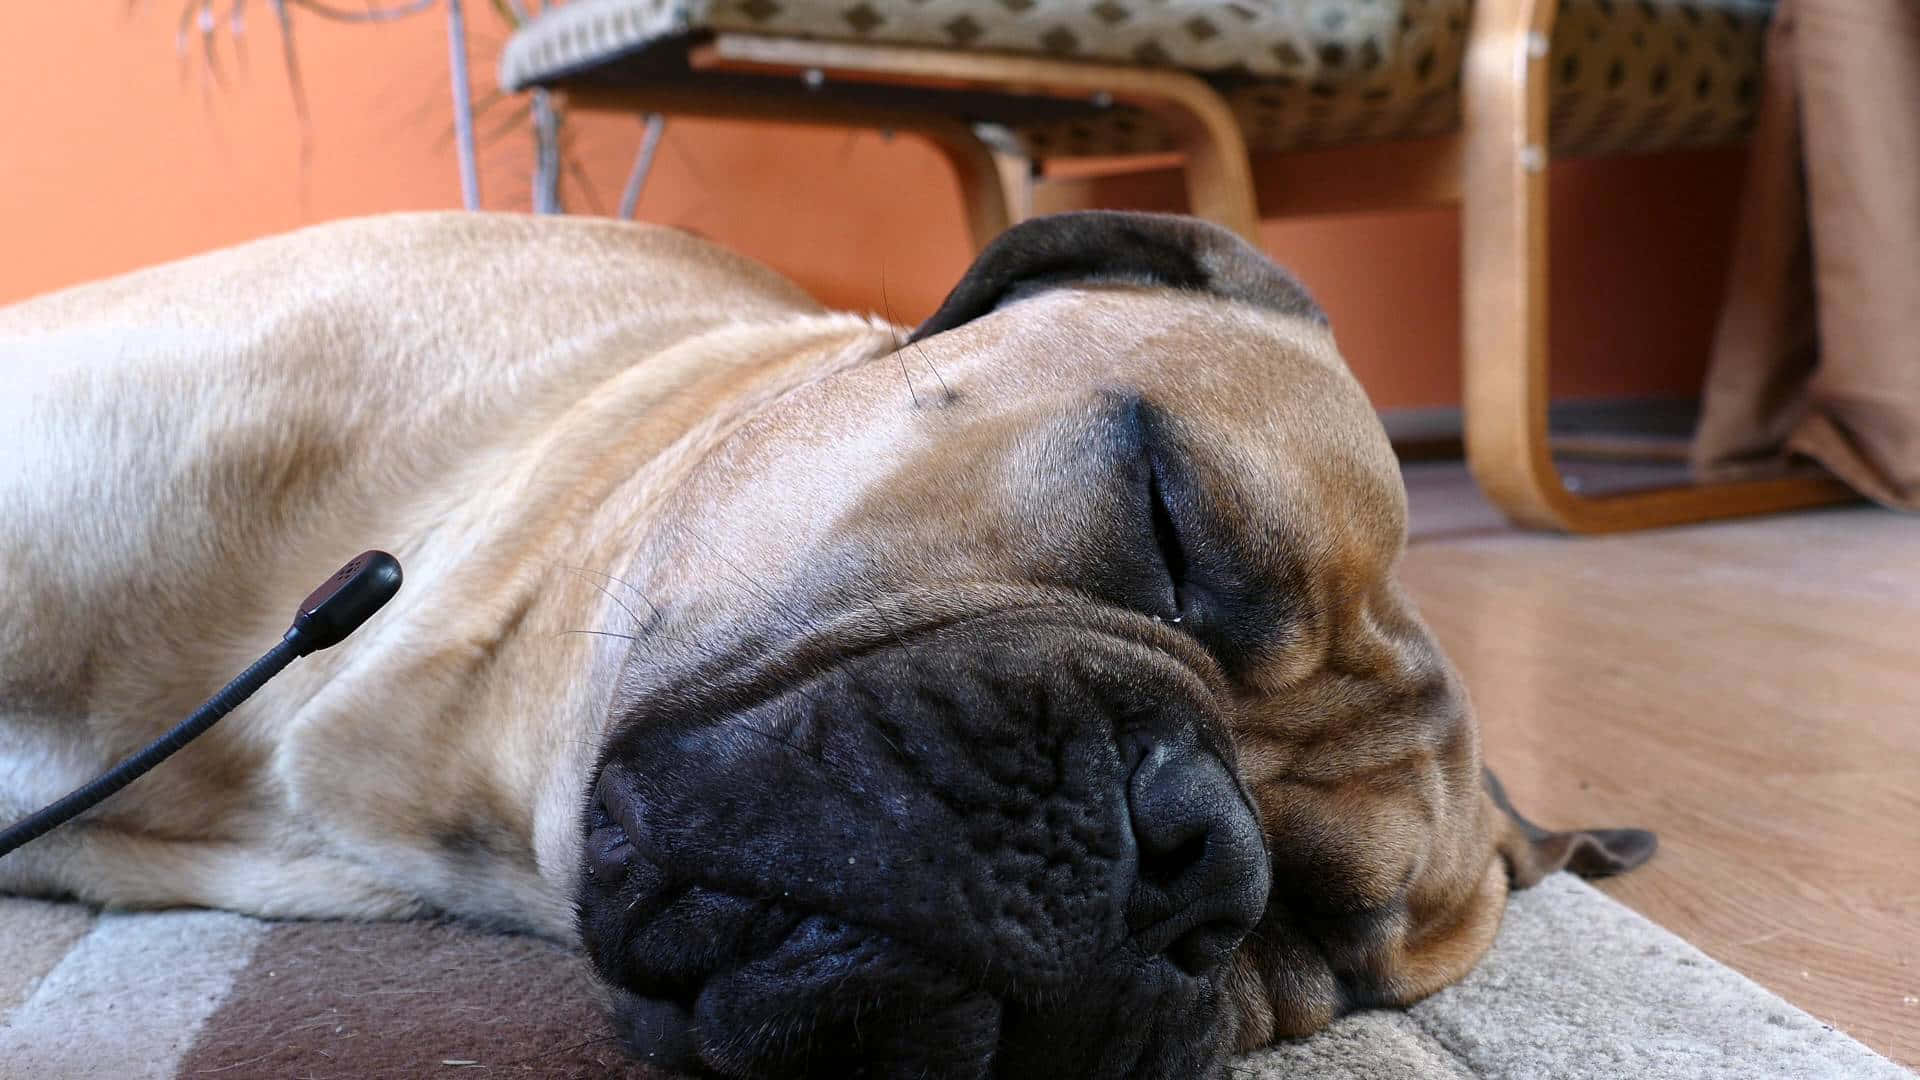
326	617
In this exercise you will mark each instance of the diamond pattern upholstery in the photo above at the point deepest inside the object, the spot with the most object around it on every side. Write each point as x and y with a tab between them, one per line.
1628	75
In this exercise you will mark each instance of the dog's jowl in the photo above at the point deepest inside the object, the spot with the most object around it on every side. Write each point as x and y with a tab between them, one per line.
1028	695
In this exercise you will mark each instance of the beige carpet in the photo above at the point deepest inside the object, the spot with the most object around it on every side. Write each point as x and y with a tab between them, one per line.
1578	986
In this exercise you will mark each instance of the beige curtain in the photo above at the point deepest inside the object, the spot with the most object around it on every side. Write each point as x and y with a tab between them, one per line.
1818	347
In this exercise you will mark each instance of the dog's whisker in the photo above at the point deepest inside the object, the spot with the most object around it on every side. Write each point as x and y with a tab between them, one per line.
920	350
604	633
789	744
630	587
887	307
911	393
795	622
637	622
893	631
631	637
773	603
648	628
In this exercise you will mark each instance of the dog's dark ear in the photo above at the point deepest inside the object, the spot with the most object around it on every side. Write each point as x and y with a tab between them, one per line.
1102	246
1532	852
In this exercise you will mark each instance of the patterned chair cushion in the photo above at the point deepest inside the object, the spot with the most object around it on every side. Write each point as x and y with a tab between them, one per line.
1296	39
1626	75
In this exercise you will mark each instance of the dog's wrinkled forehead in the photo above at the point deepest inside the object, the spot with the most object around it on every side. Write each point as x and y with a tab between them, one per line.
1228	348
1116	248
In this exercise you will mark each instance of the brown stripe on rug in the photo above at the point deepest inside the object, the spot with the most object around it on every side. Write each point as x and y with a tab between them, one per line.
339	1000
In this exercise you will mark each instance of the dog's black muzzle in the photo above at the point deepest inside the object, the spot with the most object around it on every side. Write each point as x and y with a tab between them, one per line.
1007	848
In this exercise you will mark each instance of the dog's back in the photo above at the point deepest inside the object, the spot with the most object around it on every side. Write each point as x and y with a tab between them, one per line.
189	448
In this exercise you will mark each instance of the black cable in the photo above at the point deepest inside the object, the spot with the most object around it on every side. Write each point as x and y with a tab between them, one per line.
97	789
329	614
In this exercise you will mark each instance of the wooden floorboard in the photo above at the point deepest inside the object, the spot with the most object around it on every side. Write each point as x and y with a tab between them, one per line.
1749	690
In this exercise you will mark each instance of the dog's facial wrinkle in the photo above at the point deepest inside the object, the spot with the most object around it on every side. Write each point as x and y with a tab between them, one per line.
734	680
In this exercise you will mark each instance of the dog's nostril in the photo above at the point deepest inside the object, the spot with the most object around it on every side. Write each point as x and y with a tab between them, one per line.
1165	865
1203	866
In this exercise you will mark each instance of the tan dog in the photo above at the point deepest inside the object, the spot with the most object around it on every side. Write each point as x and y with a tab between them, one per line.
1032	698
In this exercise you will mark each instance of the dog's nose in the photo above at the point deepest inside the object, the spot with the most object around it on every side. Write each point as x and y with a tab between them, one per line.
983	855
1204	872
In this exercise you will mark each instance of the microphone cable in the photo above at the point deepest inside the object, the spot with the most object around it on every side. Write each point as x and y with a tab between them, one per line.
324	619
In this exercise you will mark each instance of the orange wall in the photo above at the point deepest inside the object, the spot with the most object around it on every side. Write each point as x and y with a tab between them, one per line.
119	154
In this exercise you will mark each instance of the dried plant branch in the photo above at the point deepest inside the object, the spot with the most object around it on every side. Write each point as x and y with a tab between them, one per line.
207	23
237	33
290	56
520	114
582	180
200	24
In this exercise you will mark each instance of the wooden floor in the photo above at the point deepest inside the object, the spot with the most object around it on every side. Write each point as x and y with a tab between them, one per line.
1750	691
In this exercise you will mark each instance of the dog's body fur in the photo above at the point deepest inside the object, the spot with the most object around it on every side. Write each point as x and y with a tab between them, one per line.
606	454
186	455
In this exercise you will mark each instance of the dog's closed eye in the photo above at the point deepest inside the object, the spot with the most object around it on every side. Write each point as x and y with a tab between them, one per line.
1204	574
1166	537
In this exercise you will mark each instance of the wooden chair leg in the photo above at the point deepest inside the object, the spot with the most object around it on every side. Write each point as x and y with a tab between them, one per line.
1017	180
1219	170
1218	174
991	204
1504	282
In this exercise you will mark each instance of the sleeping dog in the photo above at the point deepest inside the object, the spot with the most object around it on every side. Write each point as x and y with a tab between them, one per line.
1030	695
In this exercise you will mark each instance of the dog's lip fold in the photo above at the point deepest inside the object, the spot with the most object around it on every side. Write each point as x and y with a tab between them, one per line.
1194	950
658	1032
723	1027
